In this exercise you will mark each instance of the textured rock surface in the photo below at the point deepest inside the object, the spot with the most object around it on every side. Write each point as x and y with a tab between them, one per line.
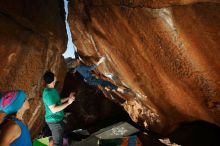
168	56
146	3
91	110
32	39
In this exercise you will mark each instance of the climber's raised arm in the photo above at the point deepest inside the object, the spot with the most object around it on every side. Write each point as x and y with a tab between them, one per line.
100	61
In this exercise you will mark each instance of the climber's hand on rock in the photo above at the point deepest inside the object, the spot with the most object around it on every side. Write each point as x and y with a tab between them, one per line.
102	59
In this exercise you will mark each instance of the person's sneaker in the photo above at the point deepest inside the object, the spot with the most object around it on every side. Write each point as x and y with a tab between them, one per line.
50	141
127	90
107	89
124	91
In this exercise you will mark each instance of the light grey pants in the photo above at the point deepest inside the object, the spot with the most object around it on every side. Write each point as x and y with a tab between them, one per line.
57	130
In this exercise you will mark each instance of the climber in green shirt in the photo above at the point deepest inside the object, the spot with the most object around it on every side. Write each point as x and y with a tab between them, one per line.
54	107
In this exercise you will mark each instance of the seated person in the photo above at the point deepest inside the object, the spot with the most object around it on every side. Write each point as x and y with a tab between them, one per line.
13	105
85	71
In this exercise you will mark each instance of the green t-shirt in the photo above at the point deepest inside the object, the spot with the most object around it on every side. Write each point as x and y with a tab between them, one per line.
51	97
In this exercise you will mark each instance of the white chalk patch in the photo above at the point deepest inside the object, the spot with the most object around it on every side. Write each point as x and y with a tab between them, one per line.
166	15
109	75
119	131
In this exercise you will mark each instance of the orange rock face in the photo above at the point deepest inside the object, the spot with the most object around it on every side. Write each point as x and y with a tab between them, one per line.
168	56
146	3
32	40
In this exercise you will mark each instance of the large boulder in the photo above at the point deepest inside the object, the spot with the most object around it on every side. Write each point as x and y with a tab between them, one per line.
168	56
32	40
